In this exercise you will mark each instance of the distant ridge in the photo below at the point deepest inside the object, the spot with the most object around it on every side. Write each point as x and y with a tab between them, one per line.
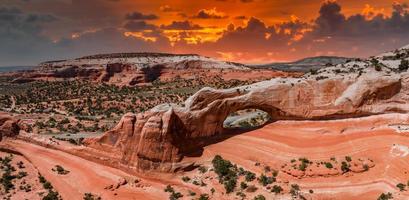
16	68
133	55
306	64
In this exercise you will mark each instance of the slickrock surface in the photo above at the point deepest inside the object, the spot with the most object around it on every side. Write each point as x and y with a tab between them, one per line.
158	139
376	138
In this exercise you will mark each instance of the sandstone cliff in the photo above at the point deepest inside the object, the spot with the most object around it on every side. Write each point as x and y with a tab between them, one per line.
158	139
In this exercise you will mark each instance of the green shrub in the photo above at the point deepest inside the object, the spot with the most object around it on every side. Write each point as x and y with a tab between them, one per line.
243	185
404	65
230	185
265	180
204	197
277	189
345	167
250	176
259	197
401	186
384	196
328	165
90	196
185	179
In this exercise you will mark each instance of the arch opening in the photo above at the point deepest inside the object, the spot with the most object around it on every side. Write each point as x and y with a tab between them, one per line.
246	119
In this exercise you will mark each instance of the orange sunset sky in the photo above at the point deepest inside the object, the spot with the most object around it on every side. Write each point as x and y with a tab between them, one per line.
249	31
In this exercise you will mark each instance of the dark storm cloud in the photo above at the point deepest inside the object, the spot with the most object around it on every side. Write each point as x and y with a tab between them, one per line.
20	34
182	25
92	26
332	22
138	26
357	34
331	18
331	33
400	8
140	16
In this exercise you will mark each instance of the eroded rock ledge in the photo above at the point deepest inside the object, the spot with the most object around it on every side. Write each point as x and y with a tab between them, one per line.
158	139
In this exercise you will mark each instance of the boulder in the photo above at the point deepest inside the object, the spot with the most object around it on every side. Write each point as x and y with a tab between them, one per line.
8	126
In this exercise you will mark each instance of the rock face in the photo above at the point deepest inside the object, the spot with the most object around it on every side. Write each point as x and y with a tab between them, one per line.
8	126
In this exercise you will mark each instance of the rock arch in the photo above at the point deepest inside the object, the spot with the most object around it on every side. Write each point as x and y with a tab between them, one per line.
158	139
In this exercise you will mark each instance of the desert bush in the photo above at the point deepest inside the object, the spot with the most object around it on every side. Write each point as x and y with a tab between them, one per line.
259	197
404	65
277	189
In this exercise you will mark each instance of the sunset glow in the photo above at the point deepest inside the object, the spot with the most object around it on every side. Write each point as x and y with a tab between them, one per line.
251	31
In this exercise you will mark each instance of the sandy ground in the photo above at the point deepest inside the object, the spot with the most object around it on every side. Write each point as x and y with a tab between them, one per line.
31	180
384	139
86	176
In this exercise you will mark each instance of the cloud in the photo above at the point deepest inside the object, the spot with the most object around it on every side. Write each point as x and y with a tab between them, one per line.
21	34
240	17
85	30
210	14
330	18
400	7
182	25
138	26
167	8
140	16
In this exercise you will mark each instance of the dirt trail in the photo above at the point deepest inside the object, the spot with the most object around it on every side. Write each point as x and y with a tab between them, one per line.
85	176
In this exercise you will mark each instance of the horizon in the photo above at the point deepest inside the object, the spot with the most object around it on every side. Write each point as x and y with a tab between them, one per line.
264	63
37	31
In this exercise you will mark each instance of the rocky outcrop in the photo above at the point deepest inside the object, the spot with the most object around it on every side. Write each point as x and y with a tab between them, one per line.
8	126
158	139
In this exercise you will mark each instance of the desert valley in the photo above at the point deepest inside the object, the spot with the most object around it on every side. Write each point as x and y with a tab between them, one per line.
164	126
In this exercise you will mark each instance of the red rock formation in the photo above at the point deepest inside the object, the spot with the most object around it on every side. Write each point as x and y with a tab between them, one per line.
159	138
8	126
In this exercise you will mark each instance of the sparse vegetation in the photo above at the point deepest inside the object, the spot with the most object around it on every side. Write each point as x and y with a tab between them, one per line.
52	194
185	179
173	194
386	196
404	65
259	197
90	196
401	186
60	170
277	189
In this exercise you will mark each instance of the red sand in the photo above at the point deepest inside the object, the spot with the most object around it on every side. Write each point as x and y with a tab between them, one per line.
273	145
85	176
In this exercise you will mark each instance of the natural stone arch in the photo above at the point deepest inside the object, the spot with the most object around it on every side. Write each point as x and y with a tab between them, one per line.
158	139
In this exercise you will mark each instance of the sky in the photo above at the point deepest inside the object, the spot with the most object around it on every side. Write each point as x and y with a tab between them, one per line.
247	31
